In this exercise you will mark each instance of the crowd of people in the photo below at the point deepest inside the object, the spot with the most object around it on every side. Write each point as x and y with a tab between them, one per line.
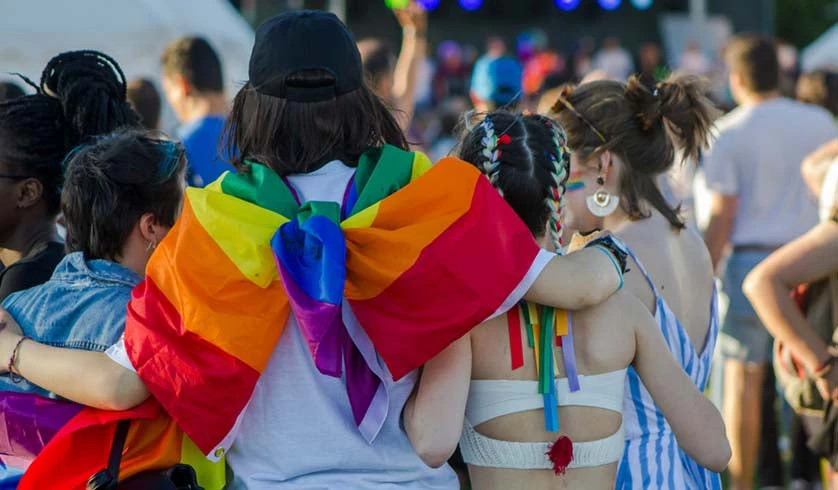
288	293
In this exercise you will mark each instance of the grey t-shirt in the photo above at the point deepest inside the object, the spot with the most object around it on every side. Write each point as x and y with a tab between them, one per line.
757	157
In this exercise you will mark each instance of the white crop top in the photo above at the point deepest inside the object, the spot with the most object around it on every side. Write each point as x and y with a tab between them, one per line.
489	399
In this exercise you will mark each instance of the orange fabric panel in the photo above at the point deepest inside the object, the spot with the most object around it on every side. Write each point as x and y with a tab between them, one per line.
245	321
377	256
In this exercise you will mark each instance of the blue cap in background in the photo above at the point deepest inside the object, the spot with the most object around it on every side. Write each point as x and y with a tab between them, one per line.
497	80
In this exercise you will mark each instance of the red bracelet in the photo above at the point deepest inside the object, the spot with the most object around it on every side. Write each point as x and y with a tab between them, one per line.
16	377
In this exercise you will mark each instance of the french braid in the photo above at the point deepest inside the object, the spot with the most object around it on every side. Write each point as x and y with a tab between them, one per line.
491	153
560	174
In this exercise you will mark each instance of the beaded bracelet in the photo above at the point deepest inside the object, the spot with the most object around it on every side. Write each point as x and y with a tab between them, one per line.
16	377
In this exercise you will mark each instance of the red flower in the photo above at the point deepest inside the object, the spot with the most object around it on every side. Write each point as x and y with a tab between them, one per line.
561	454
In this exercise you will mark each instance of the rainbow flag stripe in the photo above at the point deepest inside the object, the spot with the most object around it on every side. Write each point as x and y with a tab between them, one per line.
60	444
421	253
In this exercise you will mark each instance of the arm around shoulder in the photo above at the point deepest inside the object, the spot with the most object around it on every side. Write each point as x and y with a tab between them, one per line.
85	377
696	422
576	281
434	413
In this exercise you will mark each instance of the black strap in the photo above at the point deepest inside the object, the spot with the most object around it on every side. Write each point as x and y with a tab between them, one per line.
116	448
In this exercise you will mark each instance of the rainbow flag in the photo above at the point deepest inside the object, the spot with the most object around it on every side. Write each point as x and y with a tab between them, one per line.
421	253
49	443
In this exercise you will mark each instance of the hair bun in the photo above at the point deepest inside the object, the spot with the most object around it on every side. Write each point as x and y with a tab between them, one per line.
648	107
92	91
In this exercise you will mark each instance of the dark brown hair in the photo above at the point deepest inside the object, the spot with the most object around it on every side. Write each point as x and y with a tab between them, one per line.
112	182
194	59
145	100
295	137
638	125
378	59
754	59
820	88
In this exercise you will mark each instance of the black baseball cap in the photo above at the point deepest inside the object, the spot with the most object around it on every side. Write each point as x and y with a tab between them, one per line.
302	40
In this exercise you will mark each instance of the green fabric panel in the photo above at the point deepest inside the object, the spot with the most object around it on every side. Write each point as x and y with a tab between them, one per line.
263	187
381	172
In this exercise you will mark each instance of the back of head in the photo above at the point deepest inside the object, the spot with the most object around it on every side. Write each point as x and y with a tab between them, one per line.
82	94
819	88
115	180
378	59
526	158
10	90
754	60
303	109
496	81
145	100
194	59
642	127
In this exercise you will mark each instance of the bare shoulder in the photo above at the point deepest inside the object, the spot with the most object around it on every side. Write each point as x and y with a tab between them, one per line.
605	334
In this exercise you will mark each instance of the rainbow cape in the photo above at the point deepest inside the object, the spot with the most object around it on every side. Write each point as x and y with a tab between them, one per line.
60	444
420	253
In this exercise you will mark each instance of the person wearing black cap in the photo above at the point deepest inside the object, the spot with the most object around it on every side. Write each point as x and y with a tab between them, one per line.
302	124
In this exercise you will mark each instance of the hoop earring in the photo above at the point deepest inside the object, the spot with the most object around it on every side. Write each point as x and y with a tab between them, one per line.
601	203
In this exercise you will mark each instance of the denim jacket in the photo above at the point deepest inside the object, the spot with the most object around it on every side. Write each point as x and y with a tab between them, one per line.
83	306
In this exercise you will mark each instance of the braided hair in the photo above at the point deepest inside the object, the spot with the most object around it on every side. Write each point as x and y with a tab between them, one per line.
82	94
527	160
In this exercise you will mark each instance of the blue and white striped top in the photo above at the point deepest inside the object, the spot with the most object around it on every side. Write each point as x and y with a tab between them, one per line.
652	458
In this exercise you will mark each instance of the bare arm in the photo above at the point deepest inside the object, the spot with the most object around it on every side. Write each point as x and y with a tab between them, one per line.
576	281
816	165
722	214
697	424
414	21
86	377
433	415
807	259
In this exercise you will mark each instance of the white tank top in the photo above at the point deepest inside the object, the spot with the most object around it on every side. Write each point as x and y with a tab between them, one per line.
489	399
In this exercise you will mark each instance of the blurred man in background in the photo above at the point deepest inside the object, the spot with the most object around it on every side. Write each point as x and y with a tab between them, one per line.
394	81
194	86
758	203
495	83
145	100
614	59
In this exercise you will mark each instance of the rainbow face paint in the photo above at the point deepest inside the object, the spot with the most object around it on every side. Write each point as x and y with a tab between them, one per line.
575	183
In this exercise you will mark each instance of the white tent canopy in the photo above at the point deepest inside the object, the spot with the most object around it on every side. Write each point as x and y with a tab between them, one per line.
133	32
823	53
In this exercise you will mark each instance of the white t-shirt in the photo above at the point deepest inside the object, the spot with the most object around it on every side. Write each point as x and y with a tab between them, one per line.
298	430
757	157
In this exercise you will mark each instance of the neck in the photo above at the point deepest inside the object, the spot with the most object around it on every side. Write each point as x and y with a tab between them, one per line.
752	99
204	105
134	257
616	220
26	238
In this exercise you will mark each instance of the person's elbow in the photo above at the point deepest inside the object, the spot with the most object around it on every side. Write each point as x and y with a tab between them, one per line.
120	389
718	461
754	283
433	454
434	447
715	450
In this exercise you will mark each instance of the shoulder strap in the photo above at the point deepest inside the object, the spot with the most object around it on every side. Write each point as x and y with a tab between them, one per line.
643	271
116	448
107	479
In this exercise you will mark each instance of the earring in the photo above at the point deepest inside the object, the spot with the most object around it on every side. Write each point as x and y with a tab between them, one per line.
151	246
601	203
